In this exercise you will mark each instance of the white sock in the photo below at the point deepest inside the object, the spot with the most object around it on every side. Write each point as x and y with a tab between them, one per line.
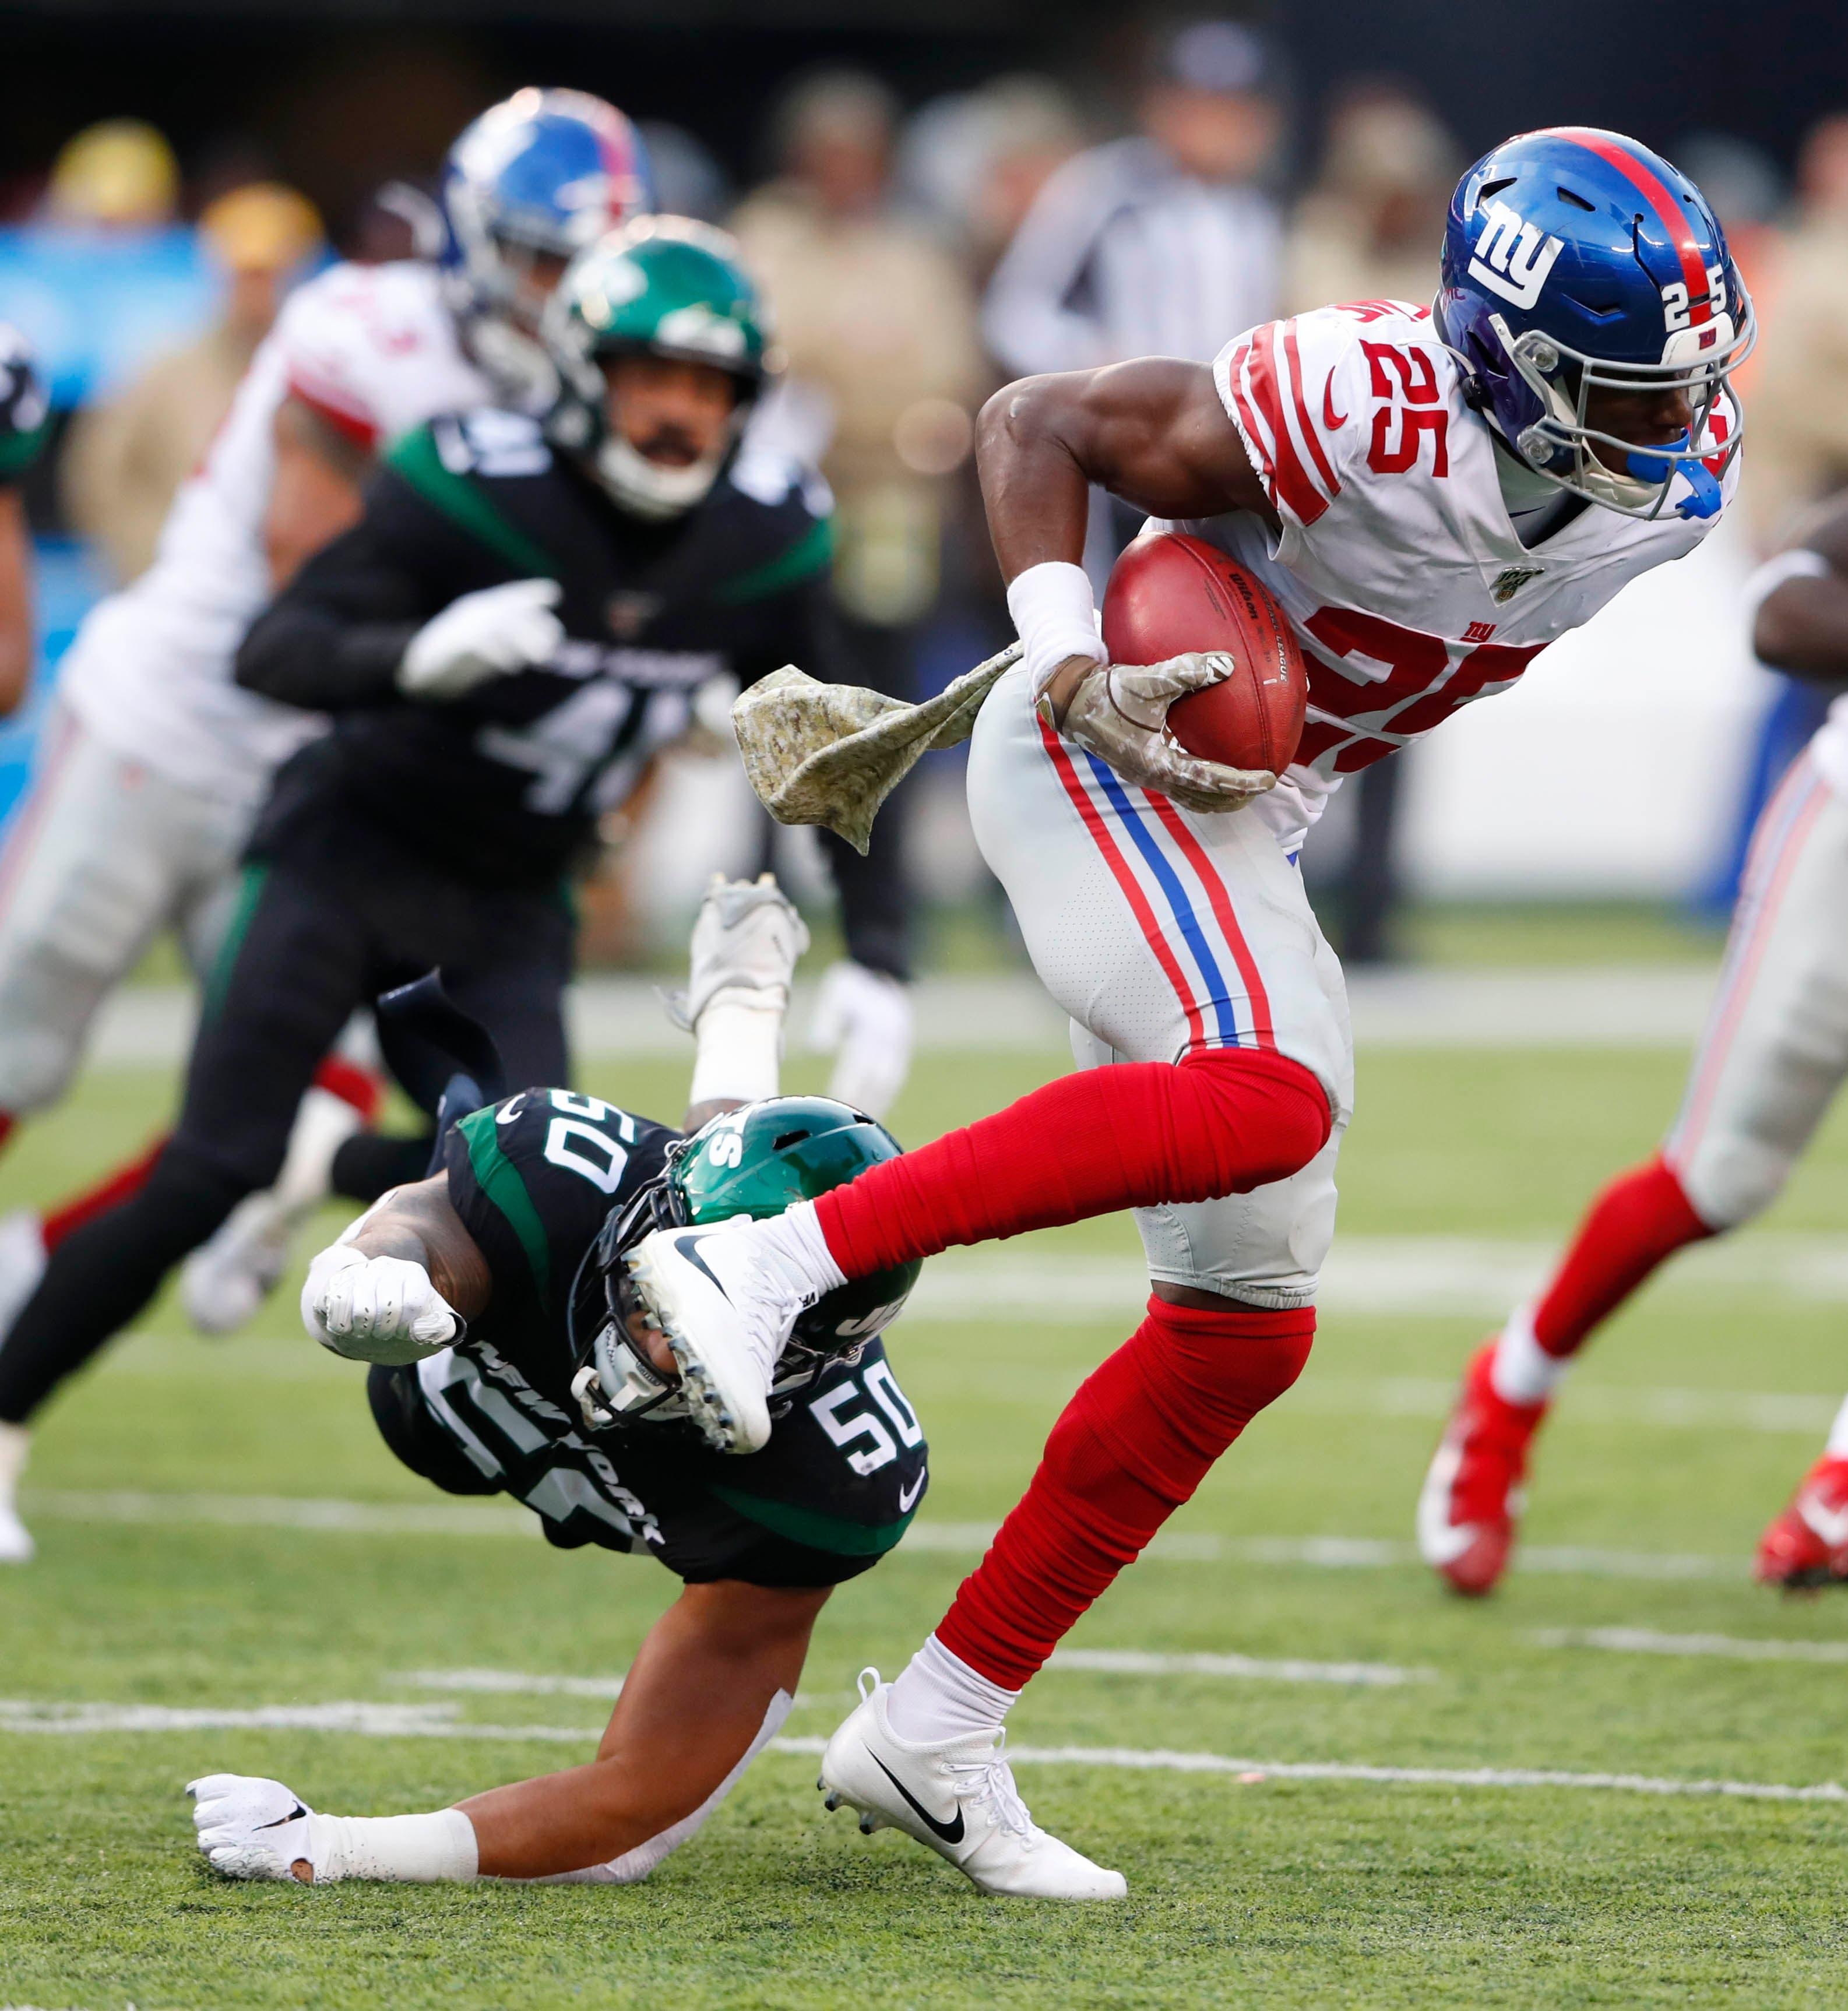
937	1696
14	1439
1522	1371
412	1850
795	1236
1837	1448
739	1054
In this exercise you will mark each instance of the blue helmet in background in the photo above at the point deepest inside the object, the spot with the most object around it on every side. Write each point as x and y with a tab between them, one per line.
1576	260
527	185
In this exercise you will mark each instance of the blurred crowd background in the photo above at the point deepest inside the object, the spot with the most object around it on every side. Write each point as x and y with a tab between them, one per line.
937	200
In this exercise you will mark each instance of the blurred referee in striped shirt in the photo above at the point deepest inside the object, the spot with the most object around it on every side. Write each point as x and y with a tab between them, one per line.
1166	243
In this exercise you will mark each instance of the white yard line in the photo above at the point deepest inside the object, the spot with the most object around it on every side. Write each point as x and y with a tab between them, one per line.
1480	1276
384	1519
1731	1647
1099	1661
1660	1005
1134	1662
391	1721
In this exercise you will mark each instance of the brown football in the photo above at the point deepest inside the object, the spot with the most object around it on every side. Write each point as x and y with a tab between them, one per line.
1170	593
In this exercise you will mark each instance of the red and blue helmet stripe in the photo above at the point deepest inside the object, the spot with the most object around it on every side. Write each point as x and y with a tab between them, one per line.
1604	256
550	170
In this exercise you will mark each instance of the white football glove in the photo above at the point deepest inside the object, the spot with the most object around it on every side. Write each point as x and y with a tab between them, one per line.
488	634
382	1309
249	1827
1120	711
863	1018
745	944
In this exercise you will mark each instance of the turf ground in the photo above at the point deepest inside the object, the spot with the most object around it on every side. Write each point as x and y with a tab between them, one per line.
1249	1884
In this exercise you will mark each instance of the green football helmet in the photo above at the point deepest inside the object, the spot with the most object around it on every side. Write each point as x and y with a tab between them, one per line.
659	285
755	1160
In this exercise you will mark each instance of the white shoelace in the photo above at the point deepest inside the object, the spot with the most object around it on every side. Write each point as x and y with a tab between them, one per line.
786	1295
990	1784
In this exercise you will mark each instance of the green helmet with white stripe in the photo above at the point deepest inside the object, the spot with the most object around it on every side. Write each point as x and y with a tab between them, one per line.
667	287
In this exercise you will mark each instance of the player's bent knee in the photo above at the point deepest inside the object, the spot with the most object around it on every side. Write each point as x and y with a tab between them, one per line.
1254	1118
1731	1177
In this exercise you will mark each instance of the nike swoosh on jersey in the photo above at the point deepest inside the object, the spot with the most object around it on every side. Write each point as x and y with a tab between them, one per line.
1334	421
909	1501
511	1109
949	1832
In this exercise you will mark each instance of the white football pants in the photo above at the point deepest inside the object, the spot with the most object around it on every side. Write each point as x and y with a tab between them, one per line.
1775	1047
1159	932
103	853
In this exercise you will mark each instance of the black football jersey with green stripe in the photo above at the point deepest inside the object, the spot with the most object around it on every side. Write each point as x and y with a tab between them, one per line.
505	782
533	1179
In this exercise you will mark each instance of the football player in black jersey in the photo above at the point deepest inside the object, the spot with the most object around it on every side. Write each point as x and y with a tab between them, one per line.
509	1359
519	620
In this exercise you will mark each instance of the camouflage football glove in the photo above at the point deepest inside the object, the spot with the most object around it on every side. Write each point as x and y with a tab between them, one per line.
1120	712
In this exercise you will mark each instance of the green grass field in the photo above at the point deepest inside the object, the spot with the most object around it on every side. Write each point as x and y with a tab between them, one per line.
1268	1891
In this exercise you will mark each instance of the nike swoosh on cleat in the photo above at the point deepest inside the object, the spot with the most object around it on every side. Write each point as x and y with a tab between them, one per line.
1831	1525
690	1249
950	1832
294	1815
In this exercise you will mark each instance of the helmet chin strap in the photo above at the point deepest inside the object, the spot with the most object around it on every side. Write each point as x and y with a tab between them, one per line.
648	489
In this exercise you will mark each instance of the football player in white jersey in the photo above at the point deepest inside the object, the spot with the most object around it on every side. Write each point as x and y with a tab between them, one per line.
1433	496
1772	1057
155	762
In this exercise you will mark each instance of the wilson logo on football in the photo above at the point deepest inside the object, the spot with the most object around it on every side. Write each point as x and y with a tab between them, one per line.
1511	258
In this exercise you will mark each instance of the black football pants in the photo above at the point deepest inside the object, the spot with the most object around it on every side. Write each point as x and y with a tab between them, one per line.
315	937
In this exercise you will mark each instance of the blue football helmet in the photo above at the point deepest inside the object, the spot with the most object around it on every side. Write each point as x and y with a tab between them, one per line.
532	182
1575	261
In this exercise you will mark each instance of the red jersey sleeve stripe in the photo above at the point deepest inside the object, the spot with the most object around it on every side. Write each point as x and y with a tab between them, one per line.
1291	484
1331	487
1669	213
346	419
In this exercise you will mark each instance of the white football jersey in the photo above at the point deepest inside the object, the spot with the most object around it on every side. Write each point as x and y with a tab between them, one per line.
1398	564
374	350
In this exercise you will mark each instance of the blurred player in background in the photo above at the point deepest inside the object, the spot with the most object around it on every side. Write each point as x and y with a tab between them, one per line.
155	763
126	456
1432	495
1769	1065
522	617
25	422
511	1360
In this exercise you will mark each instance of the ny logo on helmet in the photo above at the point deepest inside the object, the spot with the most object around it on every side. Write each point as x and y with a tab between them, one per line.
1511	258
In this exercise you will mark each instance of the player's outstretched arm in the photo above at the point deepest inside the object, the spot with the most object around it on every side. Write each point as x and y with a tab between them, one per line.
1801	625
401	1281
712	1683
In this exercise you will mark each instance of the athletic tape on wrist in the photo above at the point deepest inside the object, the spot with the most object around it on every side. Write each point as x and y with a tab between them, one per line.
412	1850
1055	618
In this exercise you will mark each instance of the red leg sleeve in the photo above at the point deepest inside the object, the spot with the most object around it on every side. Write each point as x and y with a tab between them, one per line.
1129	1448
1223	1121
1643	1216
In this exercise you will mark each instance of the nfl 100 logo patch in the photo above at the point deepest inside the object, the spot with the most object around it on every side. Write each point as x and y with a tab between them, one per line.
1510	580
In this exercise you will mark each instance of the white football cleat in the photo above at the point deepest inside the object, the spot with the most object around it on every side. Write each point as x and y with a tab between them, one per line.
249	1827
726	1305
16	1545
225	1280
747	940
957	1798
22	1262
